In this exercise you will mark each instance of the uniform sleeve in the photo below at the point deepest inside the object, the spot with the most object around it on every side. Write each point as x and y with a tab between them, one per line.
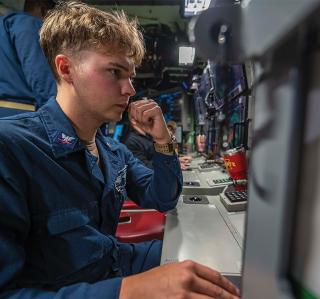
106	289
14	230
38	74
158	188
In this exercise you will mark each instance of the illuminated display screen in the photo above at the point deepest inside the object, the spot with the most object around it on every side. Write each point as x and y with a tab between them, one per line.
118	132
194	7
169	103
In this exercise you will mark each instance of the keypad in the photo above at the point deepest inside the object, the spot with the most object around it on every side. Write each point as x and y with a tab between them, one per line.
236	196
222	181
206	165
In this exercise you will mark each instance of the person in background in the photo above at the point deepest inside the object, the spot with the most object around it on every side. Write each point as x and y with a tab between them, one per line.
141	145
63	183
184	160
201	143
26	80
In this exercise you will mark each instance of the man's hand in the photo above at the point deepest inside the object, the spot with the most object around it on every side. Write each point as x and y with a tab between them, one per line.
185	159
146	116
178	280
185	162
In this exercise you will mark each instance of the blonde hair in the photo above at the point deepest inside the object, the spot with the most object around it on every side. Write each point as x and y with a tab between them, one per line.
74	26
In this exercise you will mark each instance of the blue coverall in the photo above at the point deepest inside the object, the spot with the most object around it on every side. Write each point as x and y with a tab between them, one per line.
25	75
59	210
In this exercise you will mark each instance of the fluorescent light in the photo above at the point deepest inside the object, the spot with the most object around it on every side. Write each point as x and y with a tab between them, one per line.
186	55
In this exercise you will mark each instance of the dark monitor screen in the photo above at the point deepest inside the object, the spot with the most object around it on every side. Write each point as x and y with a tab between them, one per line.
237	122
219	83
222	89
228	82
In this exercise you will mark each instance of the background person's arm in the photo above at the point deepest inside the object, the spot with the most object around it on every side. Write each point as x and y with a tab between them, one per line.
37	72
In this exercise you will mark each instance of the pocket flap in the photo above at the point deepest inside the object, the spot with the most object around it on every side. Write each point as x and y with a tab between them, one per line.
66	221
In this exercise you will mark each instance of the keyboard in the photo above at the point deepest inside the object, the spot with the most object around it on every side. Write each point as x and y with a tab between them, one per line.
222	181
234	201
208	166
237	196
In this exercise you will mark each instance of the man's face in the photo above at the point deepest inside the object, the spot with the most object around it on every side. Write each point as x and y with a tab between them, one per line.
102	84
172	130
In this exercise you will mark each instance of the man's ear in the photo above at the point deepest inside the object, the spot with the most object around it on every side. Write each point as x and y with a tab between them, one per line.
63	67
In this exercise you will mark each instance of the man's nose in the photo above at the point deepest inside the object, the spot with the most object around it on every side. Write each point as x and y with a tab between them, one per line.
128	88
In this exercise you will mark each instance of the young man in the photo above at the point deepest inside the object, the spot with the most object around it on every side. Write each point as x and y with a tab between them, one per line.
63	183
26	80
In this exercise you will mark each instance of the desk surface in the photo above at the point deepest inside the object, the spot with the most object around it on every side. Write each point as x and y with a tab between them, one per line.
202	178
207	234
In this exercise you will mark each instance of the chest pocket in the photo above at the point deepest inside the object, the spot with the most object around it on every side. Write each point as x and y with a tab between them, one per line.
71	243
119	194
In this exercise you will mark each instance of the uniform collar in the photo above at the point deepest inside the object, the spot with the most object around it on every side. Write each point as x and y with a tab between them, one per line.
109	142
62	135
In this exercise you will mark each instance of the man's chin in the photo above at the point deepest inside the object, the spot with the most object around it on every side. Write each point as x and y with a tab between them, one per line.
114	118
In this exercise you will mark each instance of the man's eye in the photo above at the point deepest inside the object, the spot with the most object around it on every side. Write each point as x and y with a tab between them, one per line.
116	73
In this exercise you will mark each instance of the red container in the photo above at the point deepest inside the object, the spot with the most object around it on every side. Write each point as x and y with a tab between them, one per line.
236	165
